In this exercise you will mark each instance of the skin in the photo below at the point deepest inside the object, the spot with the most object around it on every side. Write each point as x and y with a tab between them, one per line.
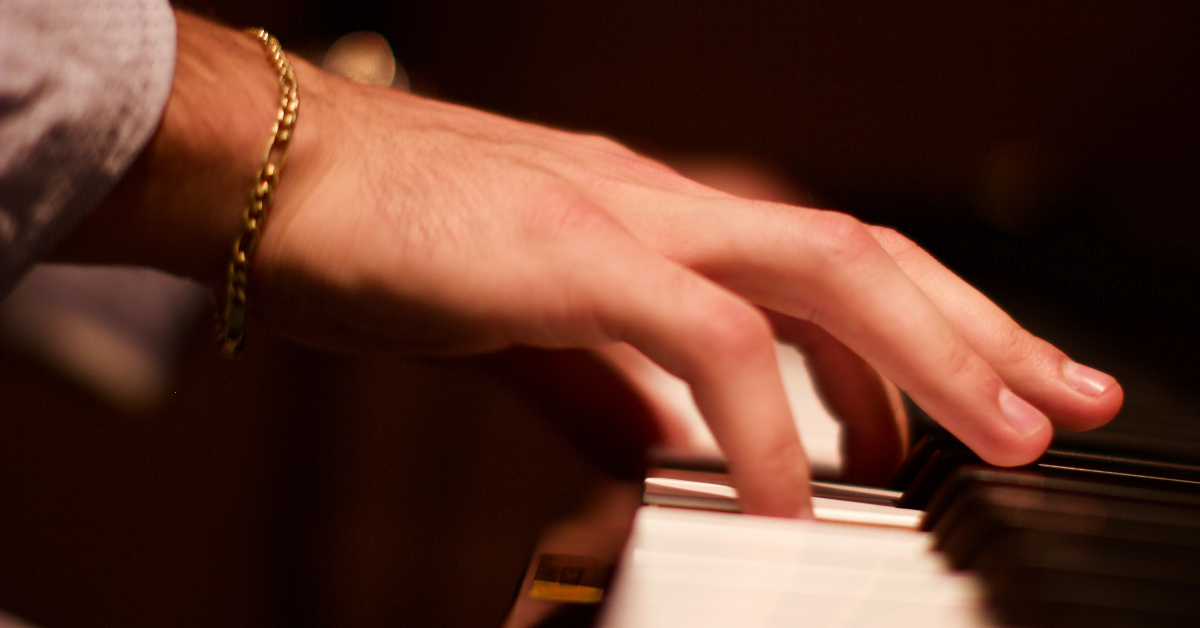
405	224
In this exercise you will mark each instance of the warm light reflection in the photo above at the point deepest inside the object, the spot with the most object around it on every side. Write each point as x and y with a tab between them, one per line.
365	57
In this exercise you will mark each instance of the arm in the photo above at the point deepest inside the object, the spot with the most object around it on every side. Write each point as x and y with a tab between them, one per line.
406	224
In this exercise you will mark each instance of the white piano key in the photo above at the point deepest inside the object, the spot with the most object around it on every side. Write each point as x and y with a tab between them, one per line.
698	569
709	496
819	430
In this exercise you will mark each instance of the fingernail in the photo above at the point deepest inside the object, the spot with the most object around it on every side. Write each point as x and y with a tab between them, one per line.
1023	418
1086	379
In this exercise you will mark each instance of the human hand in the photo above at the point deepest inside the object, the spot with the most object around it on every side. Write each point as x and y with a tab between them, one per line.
421	226
402	223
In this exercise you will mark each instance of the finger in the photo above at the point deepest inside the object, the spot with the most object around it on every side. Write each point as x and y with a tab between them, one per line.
1075	397
826	268
874	423
723	347
653	385
592	402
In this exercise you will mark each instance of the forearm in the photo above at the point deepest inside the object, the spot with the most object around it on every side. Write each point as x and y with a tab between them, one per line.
178	208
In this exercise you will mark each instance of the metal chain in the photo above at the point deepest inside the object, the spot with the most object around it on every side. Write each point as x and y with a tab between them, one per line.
231	323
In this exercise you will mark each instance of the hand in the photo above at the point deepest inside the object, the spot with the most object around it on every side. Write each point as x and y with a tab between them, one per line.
407	224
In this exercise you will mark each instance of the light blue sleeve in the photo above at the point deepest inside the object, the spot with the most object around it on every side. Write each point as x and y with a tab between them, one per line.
83	84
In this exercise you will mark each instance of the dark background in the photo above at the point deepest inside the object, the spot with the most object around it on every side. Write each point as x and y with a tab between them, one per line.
1048	152
1050	148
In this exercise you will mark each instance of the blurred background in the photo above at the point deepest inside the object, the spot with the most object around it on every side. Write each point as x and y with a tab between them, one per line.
1047	152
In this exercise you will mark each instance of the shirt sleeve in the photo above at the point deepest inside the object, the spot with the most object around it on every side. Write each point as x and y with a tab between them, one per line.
83	84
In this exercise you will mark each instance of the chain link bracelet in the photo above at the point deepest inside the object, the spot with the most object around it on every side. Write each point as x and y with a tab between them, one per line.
231	319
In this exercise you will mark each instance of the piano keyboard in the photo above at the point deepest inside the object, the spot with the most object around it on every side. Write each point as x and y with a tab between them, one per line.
699	569
1103	531
1075	540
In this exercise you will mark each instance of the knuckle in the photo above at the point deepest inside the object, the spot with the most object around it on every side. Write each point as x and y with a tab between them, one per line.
558	211
1015	344
606	144
841	239
653	171
891	240
734	330
960	362
1018	347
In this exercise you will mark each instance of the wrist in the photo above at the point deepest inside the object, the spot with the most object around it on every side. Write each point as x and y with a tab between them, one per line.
179	206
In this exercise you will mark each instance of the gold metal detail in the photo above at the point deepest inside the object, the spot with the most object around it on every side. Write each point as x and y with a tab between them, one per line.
231	323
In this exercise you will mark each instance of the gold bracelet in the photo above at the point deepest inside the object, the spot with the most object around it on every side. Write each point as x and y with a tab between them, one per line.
231	323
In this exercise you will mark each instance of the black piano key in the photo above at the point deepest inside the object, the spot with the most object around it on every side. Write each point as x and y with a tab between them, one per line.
966	475
1076	539
1054	579
1061	560
939	465
916	459
960	533
988	516
1015	550
1047	598
1179	445
1124	470
942	455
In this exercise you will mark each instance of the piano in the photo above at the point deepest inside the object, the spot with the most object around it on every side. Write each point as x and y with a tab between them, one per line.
1103	530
